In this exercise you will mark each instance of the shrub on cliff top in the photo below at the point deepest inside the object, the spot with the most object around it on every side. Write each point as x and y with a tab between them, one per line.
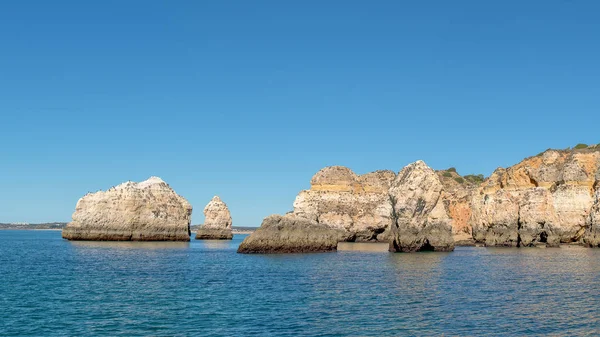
459	180
581	146
447	174
475	179
452	169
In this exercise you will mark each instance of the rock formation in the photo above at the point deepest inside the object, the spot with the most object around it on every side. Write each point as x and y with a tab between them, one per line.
457	195
547	199
592	236
343	206
145	211
291	234
217	223
420	218
341	199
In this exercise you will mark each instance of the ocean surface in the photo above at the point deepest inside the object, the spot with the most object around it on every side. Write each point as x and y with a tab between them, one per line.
53	287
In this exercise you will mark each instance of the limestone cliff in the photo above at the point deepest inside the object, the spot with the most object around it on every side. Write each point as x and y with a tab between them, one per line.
457	194
217	223
344	206
547	199
145	211
341	199
420	218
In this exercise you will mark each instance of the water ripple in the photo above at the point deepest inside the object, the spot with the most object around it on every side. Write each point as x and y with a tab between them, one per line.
52	287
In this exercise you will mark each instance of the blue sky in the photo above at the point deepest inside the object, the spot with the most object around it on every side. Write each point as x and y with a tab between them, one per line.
248	99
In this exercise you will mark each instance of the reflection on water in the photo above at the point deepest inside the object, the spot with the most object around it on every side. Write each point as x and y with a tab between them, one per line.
203	288
131	244
363	246
214	244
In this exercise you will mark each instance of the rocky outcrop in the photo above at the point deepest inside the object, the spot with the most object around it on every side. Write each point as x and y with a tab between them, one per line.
217	223
340	199
379	206
544	200
592	236
420	218
291	234
145	211
457	194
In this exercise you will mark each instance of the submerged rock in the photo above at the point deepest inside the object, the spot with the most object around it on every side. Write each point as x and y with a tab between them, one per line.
421	221
145	211
292	234
217	223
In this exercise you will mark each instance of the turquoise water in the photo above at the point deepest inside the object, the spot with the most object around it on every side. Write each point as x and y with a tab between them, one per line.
52	287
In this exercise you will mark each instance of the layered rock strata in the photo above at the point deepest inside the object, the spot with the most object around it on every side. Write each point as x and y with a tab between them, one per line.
291	234
457	194
405	209
145	211
217	223
341	199
546	200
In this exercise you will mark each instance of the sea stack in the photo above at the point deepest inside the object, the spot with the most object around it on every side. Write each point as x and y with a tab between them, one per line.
420	218
217	223
145	211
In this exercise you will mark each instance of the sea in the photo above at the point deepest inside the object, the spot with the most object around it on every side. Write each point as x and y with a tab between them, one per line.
53	287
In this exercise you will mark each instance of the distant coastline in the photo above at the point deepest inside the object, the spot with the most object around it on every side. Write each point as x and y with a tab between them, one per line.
234	229
61	225
32	226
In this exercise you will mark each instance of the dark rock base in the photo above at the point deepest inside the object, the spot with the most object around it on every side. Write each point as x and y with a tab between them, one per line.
214	234
290	234
108	235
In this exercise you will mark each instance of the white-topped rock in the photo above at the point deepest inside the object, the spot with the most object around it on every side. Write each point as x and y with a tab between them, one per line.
146	211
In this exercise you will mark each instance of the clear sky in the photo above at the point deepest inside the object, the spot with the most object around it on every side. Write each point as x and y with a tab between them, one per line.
248	99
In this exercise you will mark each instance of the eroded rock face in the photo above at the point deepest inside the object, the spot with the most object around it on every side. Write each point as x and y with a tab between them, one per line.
145	211
544	200
217	223
338	198
592	235
291	234
457	194
343	206
421	221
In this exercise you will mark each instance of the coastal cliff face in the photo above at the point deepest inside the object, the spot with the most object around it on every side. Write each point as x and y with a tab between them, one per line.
145	211
456	195
420	218
341	199
217	223
406	209
548	199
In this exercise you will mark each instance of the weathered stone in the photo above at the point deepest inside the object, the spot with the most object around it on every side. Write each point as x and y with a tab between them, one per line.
338	198
217	223
457	196
291	234
592	235
420	221
546	199
145	211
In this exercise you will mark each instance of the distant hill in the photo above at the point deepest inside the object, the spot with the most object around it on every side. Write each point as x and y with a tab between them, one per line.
61	225
45	225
